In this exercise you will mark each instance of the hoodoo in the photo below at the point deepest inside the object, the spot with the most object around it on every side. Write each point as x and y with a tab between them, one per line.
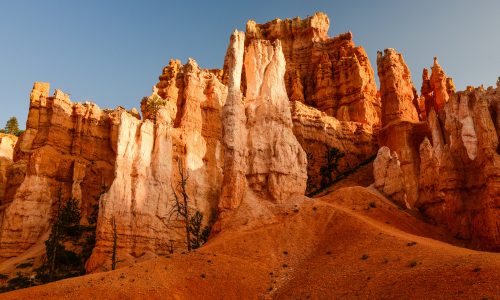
288	163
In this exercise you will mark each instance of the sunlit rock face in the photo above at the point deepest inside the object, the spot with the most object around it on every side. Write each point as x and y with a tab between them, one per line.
235	132
258	135
388	176
7	144
436	89
331	84
401	130
449	162
459	182
331	74
188	131
64	153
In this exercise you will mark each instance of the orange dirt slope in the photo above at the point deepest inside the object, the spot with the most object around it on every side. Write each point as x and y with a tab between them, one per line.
351	243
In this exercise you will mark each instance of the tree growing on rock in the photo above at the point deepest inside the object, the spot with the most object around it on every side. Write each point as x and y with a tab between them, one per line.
151	106
193	220
66	224
332	158
12	127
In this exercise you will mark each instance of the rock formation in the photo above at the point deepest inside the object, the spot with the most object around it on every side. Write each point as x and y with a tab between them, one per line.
330	74
140	199
396	88
437	88
258	137
7	143
276	161
252	133
64	153
331	83
389	179
459	182
317	133
112	158
401	130
450	162
235	133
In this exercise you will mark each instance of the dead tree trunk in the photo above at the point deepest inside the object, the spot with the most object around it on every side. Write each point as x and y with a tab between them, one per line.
181	205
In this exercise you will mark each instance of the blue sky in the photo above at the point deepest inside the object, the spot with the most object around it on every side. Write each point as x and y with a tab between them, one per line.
111	52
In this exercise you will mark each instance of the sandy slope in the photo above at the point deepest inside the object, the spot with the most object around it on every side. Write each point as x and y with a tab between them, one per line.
337	246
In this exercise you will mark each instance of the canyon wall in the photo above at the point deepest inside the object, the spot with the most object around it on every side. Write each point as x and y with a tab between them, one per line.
459	181
7	143
64	153
187	135
258	130
331	74
332	87
402	130
448	157
129	167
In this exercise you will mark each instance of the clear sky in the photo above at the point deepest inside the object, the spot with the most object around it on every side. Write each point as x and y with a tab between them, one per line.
111	52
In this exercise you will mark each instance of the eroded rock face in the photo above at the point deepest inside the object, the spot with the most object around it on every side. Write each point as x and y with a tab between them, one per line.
7	144
459	183
450	162
234	128
330	74
317	133
399	97
140	199
277	163
258	133
65	152
388	176
437	88
401	130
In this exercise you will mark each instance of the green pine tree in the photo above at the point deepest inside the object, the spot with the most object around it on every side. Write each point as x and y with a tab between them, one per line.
12	126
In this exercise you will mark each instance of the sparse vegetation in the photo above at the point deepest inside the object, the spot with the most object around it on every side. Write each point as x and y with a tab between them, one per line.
19	282
413	264
115	238
152	105
364	256
12	127
199	235
411	244
476	270
196	236
66	250
66	224
343	175
4	277
332	158
24	265
373	204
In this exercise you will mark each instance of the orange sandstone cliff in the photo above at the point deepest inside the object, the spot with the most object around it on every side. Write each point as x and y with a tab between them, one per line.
446	166
252	137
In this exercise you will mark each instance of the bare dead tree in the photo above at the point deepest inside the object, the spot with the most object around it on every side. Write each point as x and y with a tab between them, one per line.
180	207
115	238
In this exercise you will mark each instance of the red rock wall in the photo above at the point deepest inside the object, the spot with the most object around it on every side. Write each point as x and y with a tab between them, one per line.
460	174
330	74
65	152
